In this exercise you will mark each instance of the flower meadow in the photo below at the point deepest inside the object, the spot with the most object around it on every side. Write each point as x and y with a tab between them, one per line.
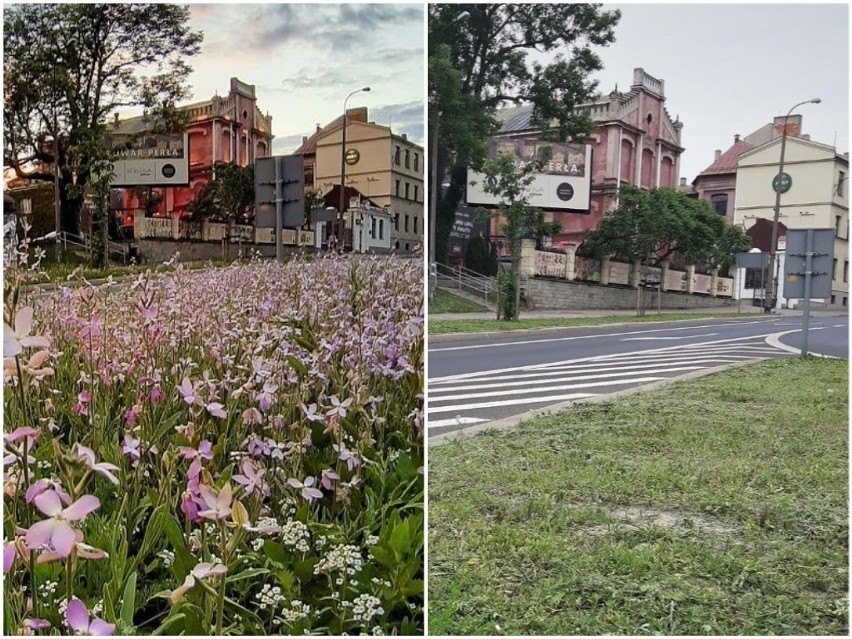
230	451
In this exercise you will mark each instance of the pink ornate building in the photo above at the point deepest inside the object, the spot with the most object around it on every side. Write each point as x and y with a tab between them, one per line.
635	141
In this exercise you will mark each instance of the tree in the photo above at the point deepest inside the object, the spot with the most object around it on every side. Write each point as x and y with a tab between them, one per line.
510	184
479	63
69	67
228	196
651	226
476	255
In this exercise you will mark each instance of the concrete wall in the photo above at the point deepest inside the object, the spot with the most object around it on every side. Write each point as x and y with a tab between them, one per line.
157	251
543	294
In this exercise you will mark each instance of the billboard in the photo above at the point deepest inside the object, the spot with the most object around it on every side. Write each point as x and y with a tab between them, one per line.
564	182
820	244
149	159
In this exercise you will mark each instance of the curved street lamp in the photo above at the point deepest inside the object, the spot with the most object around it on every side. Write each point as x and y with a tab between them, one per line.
773	280
340	225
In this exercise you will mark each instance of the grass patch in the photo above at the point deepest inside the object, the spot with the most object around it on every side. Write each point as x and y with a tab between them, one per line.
437	327
715	506
446	302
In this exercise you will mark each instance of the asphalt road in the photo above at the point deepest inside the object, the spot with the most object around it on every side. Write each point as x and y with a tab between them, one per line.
477	379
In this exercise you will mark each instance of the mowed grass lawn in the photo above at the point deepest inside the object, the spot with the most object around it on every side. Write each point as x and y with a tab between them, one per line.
712	506
446	302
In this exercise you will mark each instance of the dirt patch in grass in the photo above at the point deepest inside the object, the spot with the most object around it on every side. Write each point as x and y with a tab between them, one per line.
640	518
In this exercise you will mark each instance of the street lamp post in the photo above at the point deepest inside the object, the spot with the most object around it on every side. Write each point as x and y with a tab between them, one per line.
57	205
772	284
341	222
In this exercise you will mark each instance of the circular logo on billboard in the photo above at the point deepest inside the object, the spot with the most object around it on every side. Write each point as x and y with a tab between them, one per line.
168	170
565	191
352	156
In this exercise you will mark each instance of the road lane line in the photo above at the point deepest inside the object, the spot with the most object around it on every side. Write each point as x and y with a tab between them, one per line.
527	391
775	340
594	358
576	337
641	339
508	402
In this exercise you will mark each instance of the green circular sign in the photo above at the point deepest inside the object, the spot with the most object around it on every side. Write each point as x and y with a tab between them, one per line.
786	182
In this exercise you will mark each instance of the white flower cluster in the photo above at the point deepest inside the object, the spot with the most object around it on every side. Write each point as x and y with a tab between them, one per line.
167	556
341	558
372	540
377	631
296	535
257	544
365	607
381	582
295	612
47	588
270	597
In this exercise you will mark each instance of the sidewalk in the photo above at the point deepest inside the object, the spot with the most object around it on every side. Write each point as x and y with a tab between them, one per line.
725	310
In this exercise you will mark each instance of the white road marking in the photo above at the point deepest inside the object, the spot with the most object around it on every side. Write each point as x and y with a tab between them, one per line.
509	402
775	340
527	391
456	421
576	337
578	378
644	339
595	358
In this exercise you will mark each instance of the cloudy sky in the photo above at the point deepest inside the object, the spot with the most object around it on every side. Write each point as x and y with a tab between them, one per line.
304	59
731	68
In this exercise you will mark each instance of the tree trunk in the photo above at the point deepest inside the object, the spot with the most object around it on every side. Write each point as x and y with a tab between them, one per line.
516	261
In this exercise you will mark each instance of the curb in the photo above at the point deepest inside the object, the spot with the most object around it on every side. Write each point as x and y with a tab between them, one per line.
510	422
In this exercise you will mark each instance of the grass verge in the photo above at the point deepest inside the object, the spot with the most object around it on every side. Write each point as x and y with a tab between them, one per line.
715	506
446	302
438	327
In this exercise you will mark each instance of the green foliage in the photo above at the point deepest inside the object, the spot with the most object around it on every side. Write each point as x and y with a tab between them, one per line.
478	63
506	286
69	67
658	223
228	196
493	264
476	255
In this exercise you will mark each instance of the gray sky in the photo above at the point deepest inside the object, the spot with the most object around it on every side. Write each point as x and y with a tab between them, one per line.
731	68
304	59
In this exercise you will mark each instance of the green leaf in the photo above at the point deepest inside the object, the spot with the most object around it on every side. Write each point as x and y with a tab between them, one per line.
247	574
276	552
128	602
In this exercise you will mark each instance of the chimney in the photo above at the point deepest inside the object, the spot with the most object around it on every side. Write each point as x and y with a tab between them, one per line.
718	154
304	139
736	138
683	181
794	125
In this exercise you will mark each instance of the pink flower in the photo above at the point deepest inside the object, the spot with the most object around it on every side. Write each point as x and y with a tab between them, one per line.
311	413
338	407
9	555
216	409
84	551
18	338
82	405
204	451
344	454
30	626
31	434
47	484
56	531
156	395
77	618
328	479
218	506
200	572
252	416
308	491
189	392
131	447
87	455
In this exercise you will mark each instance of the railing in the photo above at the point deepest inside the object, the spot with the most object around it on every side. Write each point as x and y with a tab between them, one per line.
472	282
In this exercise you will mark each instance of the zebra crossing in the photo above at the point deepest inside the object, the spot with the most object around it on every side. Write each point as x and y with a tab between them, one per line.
458	401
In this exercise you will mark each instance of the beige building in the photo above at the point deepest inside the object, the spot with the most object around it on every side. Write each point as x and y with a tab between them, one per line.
383	167
817	198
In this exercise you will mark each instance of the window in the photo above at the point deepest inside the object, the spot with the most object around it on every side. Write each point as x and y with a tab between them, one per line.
845	271
834	270
833	300
415	224
416	189
407	159
719	202
841	177
844	301
396	224
407	190
397	189
396	156
406	228
373	228
416	161
381	229
837	219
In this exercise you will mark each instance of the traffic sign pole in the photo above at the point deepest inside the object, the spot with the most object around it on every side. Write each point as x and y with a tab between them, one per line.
806	308
279	215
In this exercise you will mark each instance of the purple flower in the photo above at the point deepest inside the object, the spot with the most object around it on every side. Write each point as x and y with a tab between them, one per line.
344	454
9	555
30	626
311	413
216	409
328	479
84	551
200	572
47	484
132	448
338	407
252	478
56	530
204	451
308	491
77	618
189	392
156	395
218	505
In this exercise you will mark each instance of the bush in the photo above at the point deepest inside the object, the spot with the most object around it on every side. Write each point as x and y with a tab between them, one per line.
506	285
476	255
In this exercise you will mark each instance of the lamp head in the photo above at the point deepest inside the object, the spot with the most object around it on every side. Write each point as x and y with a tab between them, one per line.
464	15
367	89
816	100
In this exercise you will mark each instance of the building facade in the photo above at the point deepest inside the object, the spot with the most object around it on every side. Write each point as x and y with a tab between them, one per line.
383	167
222	129
817	198
635	142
